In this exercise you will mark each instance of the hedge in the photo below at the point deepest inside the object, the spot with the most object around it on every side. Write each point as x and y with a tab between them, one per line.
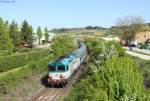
18	60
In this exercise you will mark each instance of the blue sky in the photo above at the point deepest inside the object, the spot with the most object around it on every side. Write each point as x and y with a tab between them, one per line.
73	13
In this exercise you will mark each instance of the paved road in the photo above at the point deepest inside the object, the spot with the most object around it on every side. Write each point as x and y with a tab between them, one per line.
145	57
138	50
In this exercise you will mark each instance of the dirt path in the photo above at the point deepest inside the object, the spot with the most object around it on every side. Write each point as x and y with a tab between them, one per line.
57	94
45	46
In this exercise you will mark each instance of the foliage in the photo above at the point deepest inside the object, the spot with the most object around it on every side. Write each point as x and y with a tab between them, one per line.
14	34
95	27
86	33
145	67
109	76
118	79
39	33
17	60
63	44
127	28
26	33
6	45
46	34
98	46
61	30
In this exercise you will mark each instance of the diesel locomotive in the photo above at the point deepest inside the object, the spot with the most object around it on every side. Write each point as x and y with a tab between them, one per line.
61	70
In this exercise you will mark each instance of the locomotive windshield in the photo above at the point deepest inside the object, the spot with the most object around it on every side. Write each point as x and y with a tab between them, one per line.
52	68
60	68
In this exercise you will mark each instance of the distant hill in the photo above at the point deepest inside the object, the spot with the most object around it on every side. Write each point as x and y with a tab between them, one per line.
89	30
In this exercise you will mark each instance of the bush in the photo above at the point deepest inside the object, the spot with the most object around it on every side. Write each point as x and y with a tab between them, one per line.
19	60
145	67
101	50
63	44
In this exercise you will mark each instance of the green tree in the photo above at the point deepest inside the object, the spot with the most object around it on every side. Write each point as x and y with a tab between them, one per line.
30	36
6	24
6	45
46	34
14	34
26	33
39	33
128	27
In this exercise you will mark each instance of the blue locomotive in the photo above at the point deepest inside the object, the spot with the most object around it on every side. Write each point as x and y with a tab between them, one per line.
62	69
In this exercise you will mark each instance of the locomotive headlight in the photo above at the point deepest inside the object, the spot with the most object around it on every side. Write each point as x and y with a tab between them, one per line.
61	76
49	76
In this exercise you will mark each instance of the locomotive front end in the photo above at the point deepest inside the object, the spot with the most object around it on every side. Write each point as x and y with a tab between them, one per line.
57	75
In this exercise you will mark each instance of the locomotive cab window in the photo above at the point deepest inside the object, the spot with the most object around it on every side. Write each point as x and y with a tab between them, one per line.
67	67
52	68
60	68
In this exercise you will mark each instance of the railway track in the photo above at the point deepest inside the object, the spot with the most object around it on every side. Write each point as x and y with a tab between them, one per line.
57	94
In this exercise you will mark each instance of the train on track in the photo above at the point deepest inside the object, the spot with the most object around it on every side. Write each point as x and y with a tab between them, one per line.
61	70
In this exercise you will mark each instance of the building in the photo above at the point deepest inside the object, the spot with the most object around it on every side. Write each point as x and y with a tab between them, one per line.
36	41
141	37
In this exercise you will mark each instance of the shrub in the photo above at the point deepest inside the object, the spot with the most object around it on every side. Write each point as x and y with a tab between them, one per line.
101	50
145	67
63	44
19	60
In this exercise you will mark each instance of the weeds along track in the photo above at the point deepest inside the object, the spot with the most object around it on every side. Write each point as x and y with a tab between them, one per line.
57	94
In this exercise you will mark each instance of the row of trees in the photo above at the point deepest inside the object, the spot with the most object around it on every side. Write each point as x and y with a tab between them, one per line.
5	42
95	27
12	36
40	34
